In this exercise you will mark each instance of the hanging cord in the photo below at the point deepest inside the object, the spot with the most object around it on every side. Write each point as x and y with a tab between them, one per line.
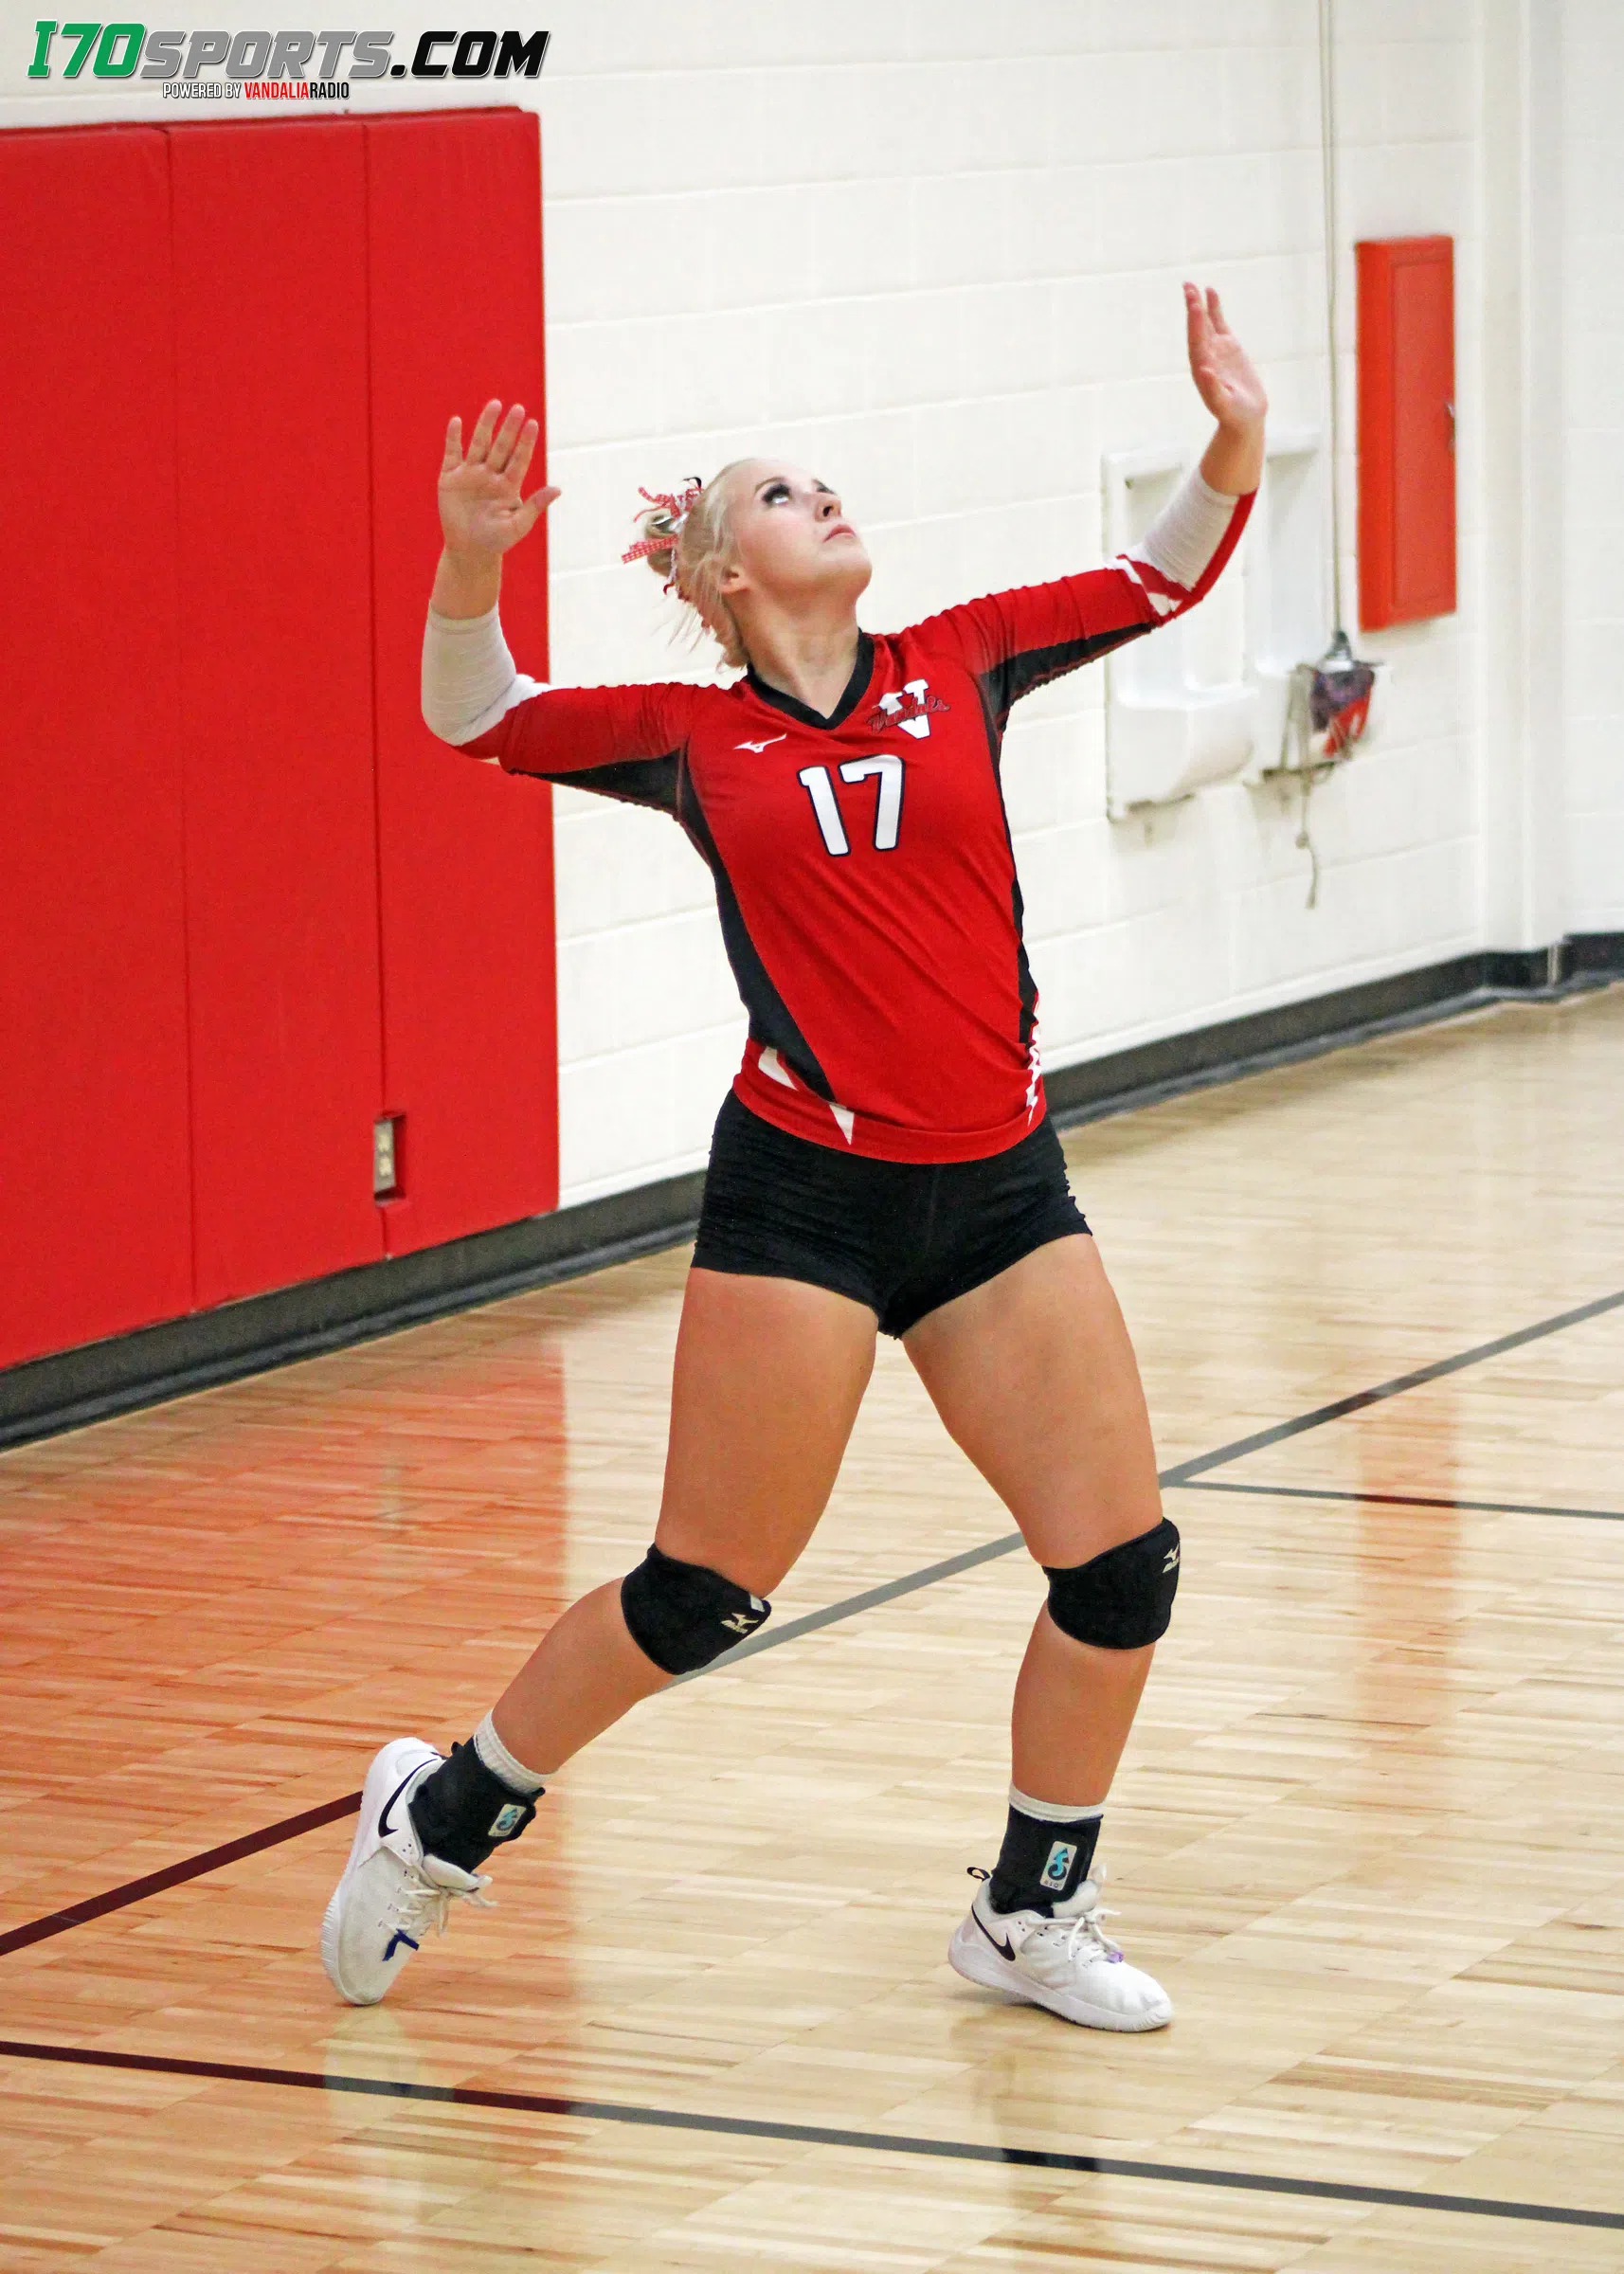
1327	166
1308	780
1308	775
1330	699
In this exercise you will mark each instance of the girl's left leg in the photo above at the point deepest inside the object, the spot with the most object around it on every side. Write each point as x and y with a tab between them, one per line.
1034	1374
1035	1377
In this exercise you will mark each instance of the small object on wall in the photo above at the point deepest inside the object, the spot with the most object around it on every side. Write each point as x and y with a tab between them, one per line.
386	1156
1406	429
1330	703
1328	710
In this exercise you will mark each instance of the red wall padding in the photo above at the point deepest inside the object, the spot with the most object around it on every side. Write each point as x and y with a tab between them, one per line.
470	1050
1406	429
276	701
94	1200
212	721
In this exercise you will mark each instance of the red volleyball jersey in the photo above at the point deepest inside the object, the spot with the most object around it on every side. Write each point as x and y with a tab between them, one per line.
864	873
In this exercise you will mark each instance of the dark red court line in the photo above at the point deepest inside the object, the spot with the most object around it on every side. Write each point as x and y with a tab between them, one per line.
1183	1473
174	1876
827	2136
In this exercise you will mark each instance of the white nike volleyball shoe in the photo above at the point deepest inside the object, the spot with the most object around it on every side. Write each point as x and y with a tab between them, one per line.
1065	1962
391	1893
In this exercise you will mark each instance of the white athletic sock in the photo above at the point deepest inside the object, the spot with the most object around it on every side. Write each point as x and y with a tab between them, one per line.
501	1764
1054	1812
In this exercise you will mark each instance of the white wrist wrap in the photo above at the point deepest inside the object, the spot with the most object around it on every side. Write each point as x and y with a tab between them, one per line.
1186	532
469	679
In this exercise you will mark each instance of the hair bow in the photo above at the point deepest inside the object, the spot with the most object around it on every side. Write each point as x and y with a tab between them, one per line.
678	508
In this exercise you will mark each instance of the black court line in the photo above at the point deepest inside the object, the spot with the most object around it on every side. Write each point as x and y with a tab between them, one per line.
174	1876
850	1605
825	2136
1406	1500
1183	1472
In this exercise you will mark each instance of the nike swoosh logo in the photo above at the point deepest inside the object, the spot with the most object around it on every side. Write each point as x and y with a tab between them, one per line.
1003	1949
384	1824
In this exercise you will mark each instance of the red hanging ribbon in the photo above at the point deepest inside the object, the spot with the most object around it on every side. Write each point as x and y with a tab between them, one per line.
678	508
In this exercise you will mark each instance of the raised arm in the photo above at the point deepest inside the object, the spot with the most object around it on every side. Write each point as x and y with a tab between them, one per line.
1232	391
622	741
482	511
1019	639
469	678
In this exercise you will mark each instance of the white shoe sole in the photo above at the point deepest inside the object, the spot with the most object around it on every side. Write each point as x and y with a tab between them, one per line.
388	1767
970	1953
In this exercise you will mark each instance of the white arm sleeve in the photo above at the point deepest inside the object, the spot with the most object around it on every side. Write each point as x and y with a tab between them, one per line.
469	679
1186	532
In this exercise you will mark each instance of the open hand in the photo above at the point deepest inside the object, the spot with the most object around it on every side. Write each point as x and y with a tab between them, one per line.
1220	364
481	508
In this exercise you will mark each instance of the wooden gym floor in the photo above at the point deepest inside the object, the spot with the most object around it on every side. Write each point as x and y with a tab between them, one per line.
1370	1830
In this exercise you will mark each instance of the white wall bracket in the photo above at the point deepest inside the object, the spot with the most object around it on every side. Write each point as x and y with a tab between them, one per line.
1171	725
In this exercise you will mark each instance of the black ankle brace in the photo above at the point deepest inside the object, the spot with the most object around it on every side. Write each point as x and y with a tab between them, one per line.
1041	1864
462	1811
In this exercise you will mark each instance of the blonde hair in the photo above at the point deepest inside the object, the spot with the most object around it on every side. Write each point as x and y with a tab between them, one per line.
692	554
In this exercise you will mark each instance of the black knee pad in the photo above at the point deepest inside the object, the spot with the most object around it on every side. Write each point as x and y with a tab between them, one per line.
682	1614
1123	1599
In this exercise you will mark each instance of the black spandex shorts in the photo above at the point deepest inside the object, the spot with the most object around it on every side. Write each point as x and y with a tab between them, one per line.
900	1236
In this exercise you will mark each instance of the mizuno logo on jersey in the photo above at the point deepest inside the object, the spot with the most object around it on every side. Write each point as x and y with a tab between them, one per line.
911	710
759	747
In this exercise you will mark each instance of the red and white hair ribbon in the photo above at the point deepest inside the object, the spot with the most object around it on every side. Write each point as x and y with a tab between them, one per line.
678	508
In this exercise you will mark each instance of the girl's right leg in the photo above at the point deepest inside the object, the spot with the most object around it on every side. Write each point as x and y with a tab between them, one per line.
768	1377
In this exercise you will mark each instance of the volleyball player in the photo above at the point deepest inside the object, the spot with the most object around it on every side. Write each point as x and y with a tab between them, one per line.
882	1165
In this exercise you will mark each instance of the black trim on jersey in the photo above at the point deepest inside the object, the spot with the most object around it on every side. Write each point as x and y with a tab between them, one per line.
1018	675
1023	968
635	781
1000	689
770	1022
1025	985
856	687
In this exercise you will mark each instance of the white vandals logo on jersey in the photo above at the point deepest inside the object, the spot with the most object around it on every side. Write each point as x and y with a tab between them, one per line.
911	710
759	747
1060	1864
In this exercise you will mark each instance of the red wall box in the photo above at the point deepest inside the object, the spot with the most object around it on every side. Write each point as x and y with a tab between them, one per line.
1406	429
95	1179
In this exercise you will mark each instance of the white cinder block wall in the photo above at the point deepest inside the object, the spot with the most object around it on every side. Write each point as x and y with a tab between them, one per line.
935	251
1593	329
